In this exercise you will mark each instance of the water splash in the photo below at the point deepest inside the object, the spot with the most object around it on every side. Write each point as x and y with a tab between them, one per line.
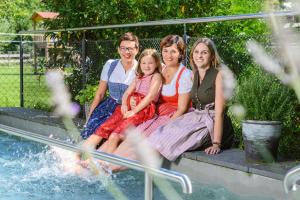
33	171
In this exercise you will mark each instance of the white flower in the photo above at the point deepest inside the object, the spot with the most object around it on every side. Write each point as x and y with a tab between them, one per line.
238	110
61	98
146	154
261	57
229	81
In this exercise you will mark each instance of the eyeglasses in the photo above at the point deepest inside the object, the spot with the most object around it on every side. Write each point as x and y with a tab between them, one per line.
124	49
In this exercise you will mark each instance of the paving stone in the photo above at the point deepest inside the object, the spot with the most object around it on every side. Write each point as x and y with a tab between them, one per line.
38	116
235	159
275	170
232	158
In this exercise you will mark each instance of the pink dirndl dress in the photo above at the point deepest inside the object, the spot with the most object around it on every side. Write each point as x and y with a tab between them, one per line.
184	133
117	124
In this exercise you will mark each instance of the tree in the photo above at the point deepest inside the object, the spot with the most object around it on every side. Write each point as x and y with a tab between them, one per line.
76	13
229	36
16	14
14	17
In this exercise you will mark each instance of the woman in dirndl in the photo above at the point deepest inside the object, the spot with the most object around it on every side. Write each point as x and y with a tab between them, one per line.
207	126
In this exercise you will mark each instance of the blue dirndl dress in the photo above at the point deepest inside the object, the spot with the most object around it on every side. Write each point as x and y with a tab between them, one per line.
106	107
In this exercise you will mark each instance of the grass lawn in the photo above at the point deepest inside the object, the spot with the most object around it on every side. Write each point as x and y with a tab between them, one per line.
36	94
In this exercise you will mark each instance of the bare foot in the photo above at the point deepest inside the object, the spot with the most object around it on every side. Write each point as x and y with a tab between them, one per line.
84	163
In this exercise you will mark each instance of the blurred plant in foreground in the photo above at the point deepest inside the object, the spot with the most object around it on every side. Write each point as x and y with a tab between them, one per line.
150	159
287	69
64	108
61	100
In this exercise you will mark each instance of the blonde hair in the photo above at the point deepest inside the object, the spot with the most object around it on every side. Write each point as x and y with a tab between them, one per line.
215	59
154	54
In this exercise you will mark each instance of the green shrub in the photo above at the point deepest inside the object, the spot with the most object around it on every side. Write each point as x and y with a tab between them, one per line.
289	144
87	94
265	98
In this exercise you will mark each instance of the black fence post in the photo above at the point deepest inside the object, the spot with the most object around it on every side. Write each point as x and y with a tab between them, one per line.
83	62
34	56
21	74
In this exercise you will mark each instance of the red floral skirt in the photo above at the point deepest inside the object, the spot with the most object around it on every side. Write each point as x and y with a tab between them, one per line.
117	124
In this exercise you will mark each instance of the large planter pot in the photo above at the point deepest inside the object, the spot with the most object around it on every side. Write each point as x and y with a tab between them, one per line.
261	140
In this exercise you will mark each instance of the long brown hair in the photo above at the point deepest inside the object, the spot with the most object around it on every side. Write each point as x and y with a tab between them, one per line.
154	54
215	59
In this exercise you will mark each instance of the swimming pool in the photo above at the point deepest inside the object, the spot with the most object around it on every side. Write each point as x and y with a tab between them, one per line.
29	170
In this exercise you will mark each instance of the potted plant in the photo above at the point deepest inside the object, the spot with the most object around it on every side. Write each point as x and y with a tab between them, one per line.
268	105
86	96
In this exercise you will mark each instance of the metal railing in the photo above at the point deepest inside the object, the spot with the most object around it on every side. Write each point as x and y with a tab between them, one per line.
172	22
182	179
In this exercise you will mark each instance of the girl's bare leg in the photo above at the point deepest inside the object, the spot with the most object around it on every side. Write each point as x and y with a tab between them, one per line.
90	143
103	147
125	150
111	144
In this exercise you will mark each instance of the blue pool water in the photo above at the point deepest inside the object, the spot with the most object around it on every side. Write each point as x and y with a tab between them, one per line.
32	171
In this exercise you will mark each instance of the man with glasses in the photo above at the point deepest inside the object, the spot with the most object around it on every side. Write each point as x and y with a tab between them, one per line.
116	75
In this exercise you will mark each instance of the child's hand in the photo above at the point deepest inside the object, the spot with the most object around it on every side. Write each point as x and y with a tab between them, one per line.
124	109
132	102
129	114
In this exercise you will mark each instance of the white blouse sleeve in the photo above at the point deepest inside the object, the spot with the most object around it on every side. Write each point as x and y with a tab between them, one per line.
185	82
104	73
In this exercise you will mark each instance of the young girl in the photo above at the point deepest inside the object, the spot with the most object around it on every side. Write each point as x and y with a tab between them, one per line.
138	101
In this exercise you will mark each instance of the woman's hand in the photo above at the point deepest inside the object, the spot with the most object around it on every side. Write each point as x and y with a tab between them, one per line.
129	114
214	149
124	109
132	102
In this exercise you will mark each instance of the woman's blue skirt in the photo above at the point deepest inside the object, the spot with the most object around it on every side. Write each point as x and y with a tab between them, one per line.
101	113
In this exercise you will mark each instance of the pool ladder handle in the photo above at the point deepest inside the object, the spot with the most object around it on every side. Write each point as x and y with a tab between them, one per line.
291	179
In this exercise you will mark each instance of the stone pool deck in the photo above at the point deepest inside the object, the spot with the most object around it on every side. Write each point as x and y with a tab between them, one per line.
228	168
